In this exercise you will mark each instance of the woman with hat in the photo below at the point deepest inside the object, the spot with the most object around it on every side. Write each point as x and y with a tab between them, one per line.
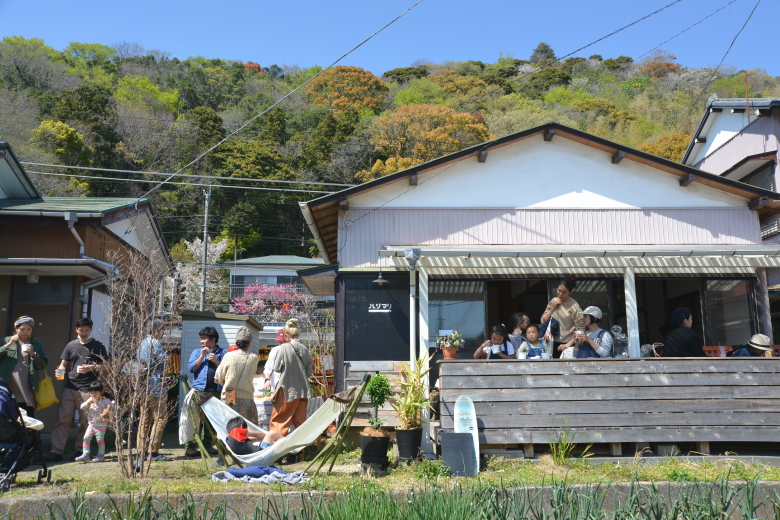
21	356
758	346
236	373
594	342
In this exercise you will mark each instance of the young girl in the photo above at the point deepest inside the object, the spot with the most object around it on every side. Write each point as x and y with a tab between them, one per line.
97	408
498	338
532	344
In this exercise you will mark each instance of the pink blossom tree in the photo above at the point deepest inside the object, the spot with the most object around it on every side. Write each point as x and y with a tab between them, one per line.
275	303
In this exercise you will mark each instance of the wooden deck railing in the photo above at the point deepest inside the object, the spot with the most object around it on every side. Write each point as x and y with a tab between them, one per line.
661	400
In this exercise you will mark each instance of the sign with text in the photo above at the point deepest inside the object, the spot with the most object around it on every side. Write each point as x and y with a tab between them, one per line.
380	307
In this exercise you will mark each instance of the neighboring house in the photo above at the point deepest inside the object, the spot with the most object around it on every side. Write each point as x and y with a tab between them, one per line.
56	253
267	270
470	238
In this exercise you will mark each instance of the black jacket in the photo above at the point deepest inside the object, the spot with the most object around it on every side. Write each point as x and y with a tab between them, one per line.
681	341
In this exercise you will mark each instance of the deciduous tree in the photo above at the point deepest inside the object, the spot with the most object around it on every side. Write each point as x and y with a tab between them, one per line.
670	146
348	87
64	141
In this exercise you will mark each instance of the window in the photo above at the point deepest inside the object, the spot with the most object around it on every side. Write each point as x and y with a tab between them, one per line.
729	305
457	305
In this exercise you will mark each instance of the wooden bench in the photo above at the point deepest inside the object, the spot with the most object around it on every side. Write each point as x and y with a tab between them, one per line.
659	400
713	351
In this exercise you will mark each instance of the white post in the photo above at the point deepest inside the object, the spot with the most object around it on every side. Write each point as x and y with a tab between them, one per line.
632	315
412	256
422	276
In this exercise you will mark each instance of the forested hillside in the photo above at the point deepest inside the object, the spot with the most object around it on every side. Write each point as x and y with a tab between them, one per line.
126	108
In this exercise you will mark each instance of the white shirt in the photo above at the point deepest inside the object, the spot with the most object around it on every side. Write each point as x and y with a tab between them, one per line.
268	371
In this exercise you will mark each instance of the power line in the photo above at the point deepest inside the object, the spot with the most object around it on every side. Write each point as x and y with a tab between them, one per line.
686	29
247	123
180	184
247	179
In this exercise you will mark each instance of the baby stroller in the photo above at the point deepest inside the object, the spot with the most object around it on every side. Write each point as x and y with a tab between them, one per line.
19	441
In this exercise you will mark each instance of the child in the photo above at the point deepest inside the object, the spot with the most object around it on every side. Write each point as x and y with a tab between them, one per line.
532	343
241	441
498	337
97	409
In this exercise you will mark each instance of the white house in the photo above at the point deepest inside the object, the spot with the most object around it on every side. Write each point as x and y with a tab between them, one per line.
470	238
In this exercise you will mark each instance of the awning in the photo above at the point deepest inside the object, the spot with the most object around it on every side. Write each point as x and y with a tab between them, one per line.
320	280
590	258
87	267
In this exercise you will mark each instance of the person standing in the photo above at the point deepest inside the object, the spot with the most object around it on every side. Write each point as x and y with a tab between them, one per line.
21	356
203	365
567	313
79	364
154	416
680	340
271	377
236	374
294	364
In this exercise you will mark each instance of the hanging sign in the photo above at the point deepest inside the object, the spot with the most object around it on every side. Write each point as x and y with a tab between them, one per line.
380	307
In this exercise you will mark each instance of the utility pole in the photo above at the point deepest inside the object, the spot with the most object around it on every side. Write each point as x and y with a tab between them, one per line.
205	249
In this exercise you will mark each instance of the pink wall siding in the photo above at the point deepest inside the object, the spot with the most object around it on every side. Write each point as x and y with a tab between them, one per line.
759	137
370	230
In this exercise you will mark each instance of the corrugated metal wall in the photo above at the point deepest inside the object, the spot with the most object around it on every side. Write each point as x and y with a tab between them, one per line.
759	137
370	230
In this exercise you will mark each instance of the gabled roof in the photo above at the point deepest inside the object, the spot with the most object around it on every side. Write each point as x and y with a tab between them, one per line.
277	260
14	181
716	106
103	205
322	213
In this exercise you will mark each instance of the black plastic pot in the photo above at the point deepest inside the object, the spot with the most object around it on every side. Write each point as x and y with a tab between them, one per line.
409	442
373	450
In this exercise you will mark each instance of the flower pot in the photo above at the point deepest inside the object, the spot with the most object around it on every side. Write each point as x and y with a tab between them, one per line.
409	442
373	450
449	352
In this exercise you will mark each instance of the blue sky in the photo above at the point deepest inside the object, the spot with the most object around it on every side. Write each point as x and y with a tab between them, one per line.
309	32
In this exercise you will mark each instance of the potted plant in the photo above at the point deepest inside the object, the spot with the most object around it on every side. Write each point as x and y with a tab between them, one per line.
374	441
411	400
450	344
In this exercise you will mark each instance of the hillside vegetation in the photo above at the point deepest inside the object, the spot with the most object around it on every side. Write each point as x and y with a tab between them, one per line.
128	108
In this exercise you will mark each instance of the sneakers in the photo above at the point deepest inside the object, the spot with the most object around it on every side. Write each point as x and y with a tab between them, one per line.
156	457
98	458
84	457
53	457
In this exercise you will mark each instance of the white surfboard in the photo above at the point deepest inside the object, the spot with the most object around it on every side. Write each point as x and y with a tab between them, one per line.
466	422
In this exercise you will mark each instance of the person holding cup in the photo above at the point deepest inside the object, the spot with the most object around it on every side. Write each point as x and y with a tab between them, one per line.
79	366
593	342
21	356
567	313
203	365
498	347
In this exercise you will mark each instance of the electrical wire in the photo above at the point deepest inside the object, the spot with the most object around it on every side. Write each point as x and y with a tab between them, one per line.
249	121
179	183
246	179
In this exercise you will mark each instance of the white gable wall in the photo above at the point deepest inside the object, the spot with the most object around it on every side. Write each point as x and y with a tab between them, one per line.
725	125
533	192
558	174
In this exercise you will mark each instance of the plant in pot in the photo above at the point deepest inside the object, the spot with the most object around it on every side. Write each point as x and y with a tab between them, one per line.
374	441
450	344
408	405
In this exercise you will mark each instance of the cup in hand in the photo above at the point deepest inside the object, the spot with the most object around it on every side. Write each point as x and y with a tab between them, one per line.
522	355
722	351
81	369
59	374
27	348
495	348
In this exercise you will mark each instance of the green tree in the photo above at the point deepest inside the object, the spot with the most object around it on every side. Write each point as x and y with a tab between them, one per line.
30	63
542	52
671	146
249	158
333	130
140	90
542	81
404	74
209	127
88	55
420	91
273	127
64	142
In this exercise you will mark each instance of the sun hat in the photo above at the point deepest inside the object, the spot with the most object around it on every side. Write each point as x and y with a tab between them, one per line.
593	311
760	342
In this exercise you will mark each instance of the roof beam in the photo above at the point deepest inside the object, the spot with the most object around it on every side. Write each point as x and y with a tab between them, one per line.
549	133
413	179
688	179
343	204
618	156
482	156
701	140
758	203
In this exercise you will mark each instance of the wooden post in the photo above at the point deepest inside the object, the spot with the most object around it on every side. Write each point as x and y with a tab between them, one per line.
702	447
616	449
632	314
528	450
762	299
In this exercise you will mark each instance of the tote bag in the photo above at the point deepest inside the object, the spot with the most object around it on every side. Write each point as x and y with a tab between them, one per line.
45	396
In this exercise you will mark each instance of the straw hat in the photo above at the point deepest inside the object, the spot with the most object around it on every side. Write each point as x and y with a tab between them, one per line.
760	342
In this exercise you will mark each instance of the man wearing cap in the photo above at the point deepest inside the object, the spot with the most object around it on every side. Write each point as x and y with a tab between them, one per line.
679	339
758	346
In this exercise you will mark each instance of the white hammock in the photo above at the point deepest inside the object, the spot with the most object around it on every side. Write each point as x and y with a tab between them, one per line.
218	414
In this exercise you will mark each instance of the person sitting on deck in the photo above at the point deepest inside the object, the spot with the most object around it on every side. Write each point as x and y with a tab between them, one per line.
595	342
241	441
498	339
518	323
758	346
679	339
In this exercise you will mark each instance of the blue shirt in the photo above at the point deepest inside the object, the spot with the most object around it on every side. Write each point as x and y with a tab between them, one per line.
743	352
201	375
